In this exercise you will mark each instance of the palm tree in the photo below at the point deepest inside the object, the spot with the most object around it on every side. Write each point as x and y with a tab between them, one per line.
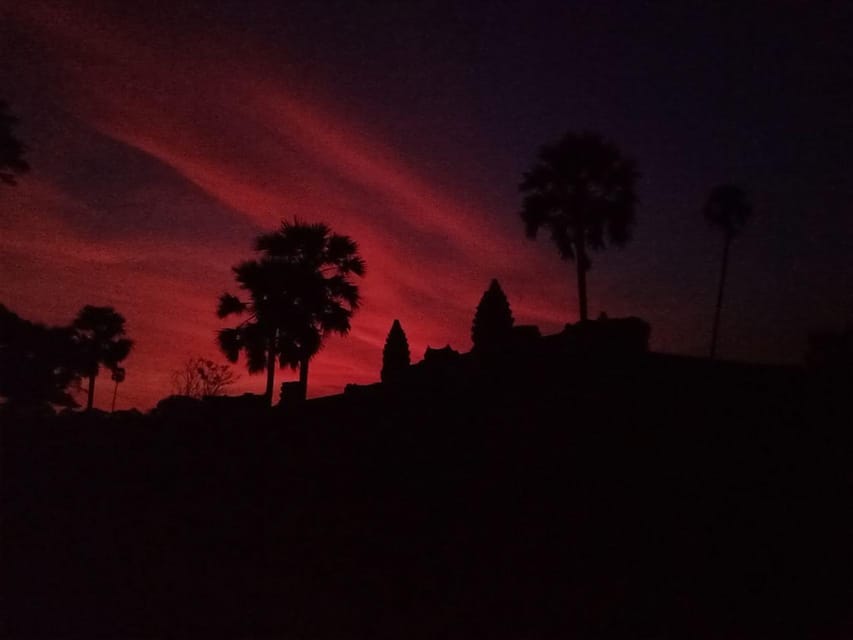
299	291
118	376
581	189
727	209
99	335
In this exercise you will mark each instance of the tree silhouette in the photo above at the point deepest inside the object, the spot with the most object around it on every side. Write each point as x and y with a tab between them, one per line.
199	377
38	364
493	319
11	149
99	335
395	356
299	292
727	209
581	189
117	377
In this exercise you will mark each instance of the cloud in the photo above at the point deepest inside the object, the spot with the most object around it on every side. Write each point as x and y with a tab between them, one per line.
244	134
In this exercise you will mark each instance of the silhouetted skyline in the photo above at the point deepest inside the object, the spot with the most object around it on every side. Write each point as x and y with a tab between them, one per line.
163	138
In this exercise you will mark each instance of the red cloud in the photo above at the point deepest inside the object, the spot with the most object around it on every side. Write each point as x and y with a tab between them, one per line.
247	136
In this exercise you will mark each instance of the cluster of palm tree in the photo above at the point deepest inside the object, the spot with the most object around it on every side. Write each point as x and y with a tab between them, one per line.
41	366
298	292
99	333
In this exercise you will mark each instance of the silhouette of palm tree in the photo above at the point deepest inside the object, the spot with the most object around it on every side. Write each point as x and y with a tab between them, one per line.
727	209
581	189
118	377
98	332
11	149
299	292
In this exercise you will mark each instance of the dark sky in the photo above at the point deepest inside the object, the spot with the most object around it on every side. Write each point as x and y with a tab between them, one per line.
165	136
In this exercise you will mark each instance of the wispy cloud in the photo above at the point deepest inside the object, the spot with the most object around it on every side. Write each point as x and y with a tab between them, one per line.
253	140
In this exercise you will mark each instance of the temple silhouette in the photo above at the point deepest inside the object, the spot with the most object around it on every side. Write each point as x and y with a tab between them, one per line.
522	351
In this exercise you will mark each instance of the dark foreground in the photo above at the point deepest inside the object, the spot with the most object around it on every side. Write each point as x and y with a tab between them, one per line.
649	498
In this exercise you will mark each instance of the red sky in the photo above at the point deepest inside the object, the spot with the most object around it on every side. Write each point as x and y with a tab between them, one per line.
161	147
248	142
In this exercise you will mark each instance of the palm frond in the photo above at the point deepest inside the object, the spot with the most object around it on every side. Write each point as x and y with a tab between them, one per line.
229	343
298	291
336	319
256	358
230	304
117	351
728	208
582	189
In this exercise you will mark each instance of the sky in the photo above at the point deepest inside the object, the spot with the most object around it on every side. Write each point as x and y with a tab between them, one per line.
165	136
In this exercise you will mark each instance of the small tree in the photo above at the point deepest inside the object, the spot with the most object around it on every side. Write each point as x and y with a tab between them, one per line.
99	333
11	149
198	377
38	364
493	319
395	355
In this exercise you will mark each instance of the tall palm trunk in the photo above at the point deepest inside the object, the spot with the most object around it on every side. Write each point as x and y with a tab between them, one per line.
723	270
582	266
270	371
90	400
115	393
303	378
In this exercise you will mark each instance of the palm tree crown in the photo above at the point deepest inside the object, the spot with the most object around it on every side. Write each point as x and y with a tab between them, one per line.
728	209
581	189
299	291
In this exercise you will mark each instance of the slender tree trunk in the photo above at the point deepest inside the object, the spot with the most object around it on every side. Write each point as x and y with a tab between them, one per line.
91	398
582	266
115	393
303	378
723	269
270	371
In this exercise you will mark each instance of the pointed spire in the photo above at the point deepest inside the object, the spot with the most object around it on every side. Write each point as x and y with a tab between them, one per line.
395	355
493	319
